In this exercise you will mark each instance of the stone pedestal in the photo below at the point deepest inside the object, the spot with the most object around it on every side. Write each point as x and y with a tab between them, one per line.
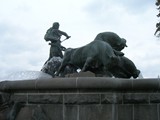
80	98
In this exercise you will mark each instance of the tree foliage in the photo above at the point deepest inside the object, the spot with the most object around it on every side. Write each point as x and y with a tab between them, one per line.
157	32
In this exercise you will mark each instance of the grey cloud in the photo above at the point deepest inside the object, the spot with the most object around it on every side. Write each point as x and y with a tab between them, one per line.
111	8
138	6
19	49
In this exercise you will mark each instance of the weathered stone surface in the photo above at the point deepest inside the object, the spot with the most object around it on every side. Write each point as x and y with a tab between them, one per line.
111	98
125	112
155	98
95	112
145	112
146	84
4	97
25	113
20	98
80	83
71	112
45	99
82	99
4	105
113	84
56	83
54	111
4	113
41	112
136	98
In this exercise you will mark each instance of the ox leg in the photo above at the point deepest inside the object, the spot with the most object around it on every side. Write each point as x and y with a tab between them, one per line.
106	66
61	69
106	72
87	63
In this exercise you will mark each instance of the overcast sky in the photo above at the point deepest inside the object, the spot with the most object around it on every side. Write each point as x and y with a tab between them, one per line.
23	24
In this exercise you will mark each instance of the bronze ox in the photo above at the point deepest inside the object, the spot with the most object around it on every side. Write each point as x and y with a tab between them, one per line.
89	57
113	39
125	68
99	58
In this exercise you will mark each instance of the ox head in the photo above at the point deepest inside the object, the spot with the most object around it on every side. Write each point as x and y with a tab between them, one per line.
120	46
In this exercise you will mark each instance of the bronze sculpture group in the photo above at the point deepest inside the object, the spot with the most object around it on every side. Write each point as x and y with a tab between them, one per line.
102	56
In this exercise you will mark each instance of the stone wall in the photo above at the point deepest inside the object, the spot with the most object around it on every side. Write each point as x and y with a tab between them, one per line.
80	98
